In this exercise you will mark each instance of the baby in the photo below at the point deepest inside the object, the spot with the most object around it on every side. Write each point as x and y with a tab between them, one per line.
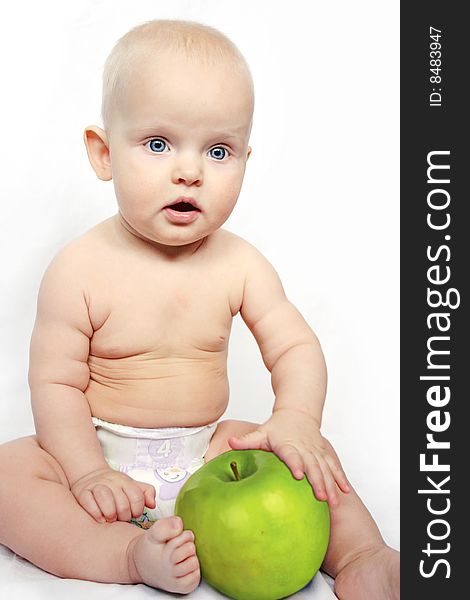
128	369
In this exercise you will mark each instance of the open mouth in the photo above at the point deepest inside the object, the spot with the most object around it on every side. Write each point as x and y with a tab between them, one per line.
183	211
183	207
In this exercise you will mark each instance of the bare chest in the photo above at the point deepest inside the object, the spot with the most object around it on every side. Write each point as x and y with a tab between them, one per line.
168	313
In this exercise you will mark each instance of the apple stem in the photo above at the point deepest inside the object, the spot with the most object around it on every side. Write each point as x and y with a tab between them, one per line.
233	466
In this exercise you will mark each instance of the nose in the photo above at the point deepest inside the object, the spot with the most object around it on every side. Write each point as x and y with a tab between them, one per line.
187	170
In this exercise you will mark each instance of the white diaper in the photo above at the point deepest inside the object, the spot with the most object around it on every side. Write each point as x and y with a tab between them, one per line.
165	458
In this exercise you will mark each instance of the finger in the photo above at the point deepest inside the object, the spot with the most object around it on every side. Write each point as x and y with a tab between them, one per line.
88	503
338	473
135	498
292	458
315	476
182	552
330	484
255	440
149	494
123	506
331	457
105	500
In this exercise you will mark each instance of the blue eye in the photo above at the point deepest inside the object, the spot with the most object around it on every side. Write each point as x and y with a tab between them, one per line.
157	145
218	153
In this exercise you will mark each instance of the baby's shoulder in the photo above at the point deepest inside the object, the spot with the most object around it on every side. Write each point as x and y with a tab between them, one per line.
80	254
232	258
239	255
230	246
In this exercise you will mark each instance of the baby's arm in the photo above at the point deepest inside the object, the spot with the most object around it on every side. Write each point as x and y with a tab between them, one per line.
58	378
292	353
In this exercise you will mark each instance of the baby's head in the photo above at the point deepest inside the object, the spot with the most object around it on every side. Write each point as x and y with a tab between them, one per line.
140	51
177	111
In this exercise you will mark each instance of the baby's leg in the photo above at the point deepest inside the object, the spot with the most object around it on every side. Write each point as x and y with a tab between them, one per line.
358	558
42	521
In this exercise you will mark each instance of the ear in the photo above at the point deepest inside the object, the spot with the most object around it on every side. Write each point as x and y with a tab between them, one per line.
97	147
248	152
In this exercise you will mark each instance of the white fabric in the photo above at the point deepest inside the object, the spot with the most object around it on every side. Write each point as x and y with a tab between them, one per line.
20	580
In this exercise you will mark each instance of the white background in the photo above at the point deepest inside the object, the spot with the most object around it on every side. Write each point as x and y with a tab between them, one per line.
320	197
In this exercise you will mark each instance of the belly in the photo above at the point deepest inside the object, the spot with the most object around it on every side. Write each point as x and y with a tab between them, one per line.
148	390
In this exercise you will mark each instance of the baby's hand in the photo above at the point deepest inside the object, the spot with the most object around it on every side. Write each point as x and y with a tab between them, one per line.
109	495
296	439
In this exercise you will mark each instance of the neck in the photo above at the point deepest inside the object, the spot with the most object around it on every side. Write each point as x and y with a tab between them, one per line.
166	251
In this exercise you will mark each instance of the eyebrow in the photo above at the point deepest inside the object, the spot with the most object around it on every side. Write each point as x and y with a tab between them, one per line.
163	130
222	133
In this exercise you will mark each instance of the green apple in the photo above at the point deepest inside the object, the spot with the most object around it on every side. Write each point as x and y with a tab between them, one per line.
260	534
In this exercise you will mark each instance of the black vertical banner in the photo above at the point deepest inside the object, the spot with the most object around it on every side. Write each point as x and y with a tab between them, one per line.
435	269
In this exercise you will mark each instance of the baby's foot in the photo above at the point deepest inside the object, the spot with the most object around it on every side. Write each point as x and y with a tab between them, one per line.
164	557
374	574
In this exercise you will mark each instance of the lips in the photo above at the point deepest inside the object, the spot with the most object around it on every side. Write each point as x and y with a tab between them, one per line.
184	204
182	211
182	207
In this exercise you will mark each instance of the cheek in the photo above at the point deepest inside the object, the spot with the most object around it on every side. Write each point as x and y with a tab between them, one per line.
229	188
137	186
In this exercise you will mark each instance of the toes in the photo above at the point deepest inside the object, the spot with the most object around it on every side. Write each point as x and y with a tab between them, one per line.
186	567
185	551
179	540
166	529
189	583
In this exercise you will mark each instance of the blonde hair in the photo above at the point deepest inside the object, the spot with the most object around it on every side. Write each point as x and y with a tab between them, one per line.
194	41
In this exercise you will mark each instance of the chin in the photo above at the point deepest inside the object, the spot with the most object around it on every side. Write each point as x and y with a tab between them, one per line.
180	240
